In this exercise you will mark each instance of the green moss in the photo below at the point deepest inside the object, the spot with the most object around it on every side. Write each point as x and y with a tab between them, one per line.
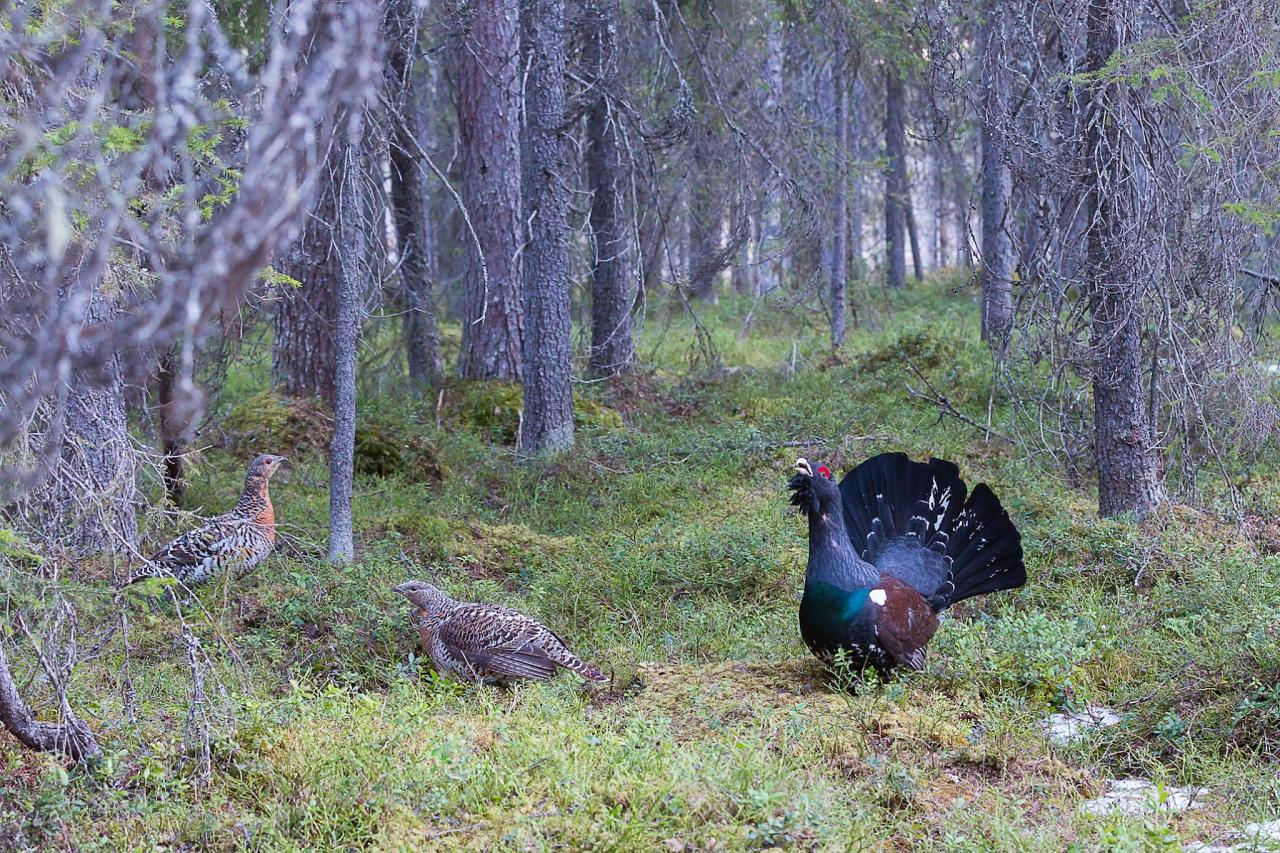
591	414
267	422
923	347
493	410
385	448
385	445
485	550
488	408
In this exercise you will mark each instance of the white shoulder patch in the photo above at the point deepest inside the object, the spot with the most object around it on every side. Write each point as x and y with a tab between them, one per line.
878	596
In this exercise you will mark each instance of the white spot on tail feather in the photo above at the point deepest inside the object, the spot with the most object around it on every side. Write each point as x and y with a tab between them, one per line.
878	596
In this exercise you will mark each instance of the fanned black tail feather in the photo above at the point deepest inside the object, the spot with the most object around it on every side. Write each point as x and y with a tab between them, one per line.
985	550
912	520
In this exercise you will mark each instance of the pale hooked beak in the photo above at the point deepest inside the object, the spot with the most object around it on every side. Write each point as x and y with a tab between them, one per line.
803	467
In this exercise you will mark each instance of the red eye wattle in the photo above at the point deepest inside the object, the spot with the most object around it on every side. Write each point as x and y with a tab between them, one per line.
824	471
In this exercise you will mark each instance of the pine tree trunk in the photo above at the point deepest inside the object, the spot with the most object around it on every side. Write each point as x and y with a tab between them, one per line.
351	262
488	106
1128	463
741	274
303	354
612	349
895	190
940	251
857	197
704	217
409	197
997	185
548	392
769	248
87	503
705	209
802	85
173	433
913	233
840	223
960	201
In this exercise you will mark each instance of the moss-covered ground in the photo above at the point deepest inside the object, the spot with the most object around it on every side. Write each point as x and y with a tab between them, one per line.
663	549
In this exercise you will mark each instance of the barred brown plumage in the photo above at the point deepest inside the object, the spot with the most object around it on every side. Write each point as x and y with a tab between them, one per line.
237	541
488	643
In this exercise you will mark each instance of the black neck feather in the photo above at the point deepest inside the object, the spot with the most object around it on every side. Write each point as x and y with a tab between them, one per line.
831	555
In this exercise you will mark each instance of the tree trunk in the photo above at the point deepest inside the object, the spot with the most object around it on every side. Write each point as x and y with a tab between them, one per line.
1128	463
913	232
87	503
840	213
409	197
705	193
960	201
895	188
997	184
704	214
302	354
350	223
488	106
612	349
742	272
548	392
939	250
768	244
71	737
857	197
173	431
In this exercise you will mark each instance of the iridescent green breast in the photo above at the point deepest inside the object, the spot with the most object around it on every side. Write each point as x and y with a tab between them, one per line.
829	615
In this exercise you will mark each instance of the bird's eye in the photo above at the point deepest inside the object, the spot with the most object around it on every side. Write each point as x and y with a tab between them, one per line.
824	471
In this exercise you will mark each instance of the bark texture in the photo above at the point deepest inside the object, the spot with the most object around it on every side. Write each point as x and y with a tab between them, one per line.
1128	463
87	503
173	430
548	392
997	183
840	206
303	351
410	200
857	120
488	105
769	243
612	348
895	179
705	213
913	234
351	256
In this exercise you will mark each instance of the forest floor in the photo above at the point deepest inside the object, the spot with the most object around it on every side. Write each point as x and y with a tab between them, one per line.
663	550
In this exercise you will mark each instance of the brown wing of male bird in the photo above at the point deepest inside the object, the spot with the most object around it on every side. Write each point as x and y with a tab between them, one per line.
905	622
495	641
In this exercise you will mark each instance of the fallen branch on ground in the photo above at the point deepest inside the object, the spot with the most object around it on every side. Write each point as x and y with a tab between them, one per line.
71	737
